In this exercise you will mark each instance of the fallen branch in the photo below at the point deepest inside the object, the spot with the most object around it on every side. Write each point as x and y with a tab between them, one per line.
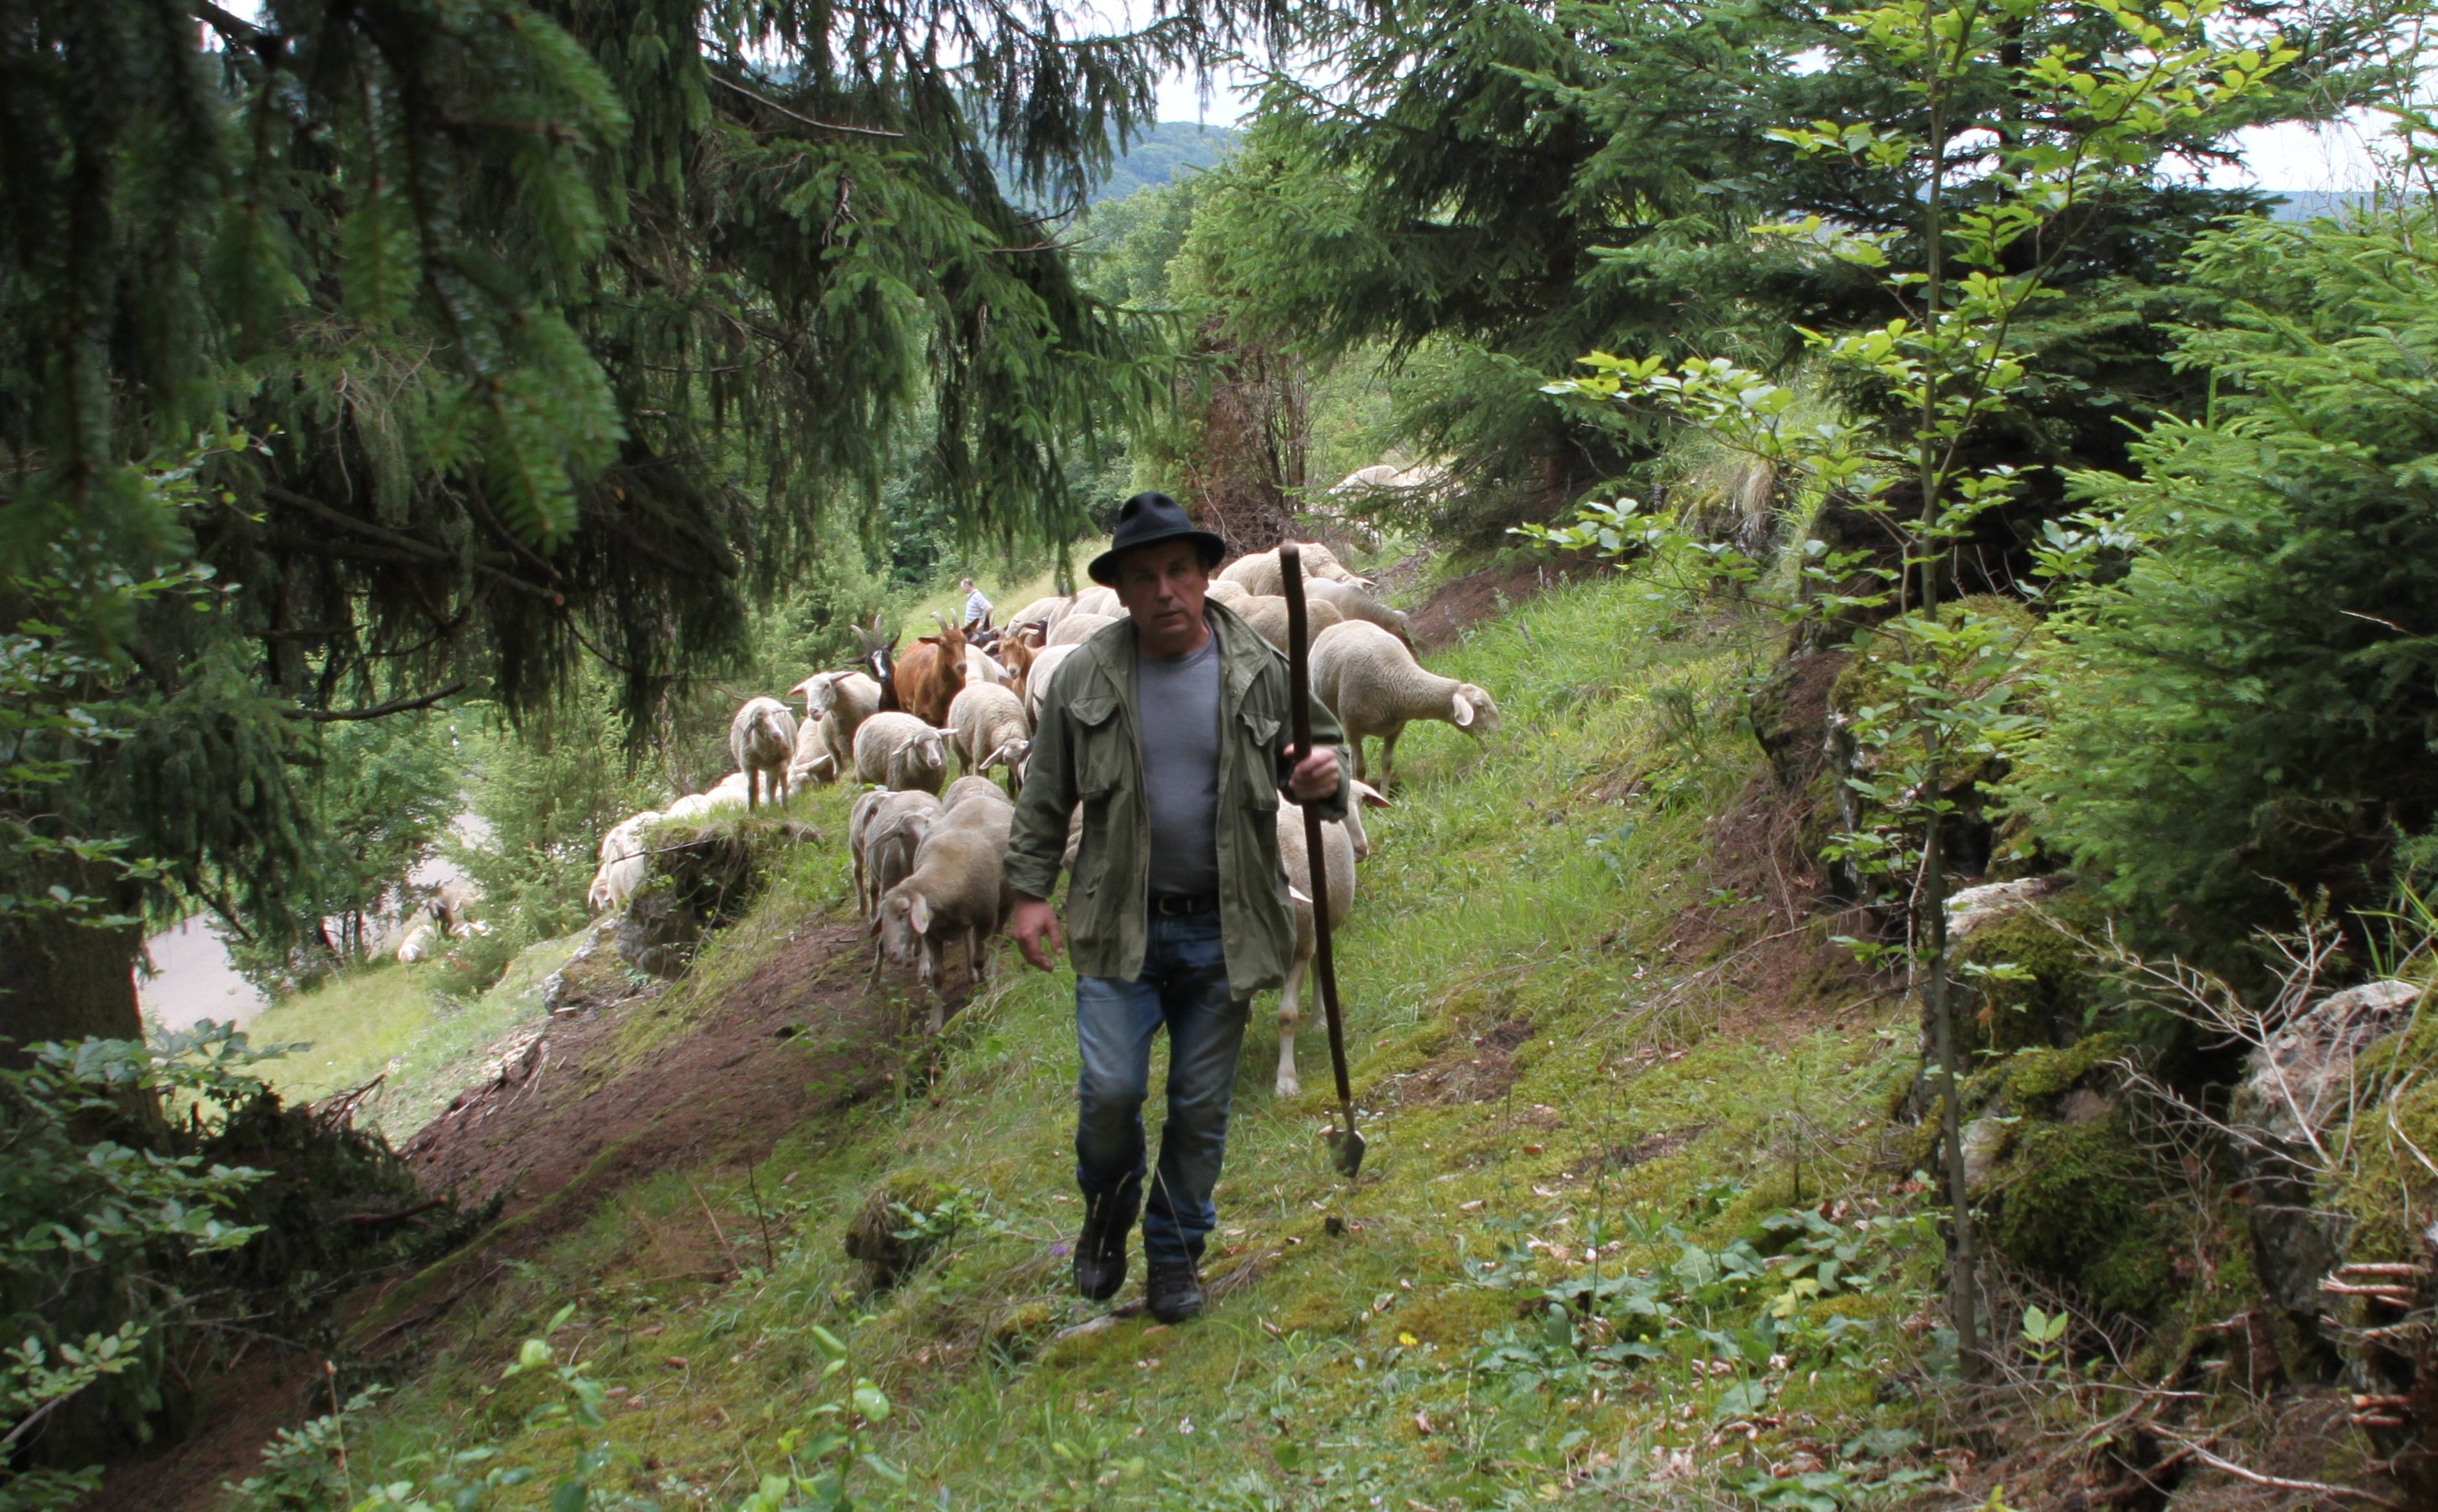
369	1219
717	1231
2280	1483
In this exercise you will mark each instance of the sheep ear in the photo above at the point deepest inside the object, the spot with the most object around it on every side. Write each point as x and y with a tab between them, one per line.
1298	893
1364	792
1464	713
918	913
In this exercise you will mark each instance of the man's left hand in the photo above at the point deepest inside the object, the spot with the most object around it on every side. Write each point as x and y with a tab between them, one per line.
1313	777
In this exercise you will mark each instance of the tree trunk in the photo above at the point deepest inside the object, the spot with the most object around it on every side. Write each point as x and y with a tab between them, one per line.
60	981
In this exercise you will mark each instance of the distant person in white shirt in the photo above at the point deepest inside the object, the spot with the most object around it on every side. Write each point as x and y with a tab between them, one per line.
977	607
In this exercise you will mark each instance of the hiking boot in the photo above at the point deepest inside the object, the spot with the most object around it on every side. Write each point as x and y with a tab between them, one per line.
1101	1255
1174	1291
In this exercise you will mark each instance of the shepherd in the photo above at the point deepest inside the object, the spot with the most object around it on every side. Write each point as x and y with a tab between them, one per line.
978	609
1172	729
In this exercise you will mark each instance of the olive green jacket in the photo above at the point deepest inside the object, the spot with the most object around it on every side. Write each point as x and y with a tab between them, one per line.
1086	750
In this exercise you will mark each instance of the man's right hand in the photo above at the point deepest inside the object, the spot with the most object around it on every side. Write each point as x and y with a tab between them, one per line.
1036	928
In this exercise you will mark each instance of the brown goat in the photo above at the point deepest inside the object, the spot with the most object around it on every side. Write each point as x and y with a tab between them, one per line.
931	674
1015	649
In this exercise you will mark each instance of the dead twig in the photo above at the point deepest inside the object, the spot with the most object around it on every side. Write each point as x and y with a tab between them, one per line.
2281	1482
717	1231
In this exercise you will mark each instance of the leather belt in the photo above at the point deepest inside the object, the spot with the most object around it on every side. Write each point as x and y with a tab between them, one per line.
1177	904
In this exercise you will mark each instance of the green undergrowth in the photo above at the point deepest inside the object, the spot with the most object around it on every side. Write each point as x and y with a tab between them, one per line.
396	1021
1622	1233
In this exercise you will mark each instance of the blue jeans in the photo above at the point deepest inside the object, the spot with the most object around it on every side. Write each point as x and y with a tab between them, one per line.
1183	986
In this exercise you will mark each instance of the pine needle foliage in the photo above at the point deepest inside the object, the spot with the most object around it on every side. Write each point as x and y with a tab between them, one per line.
1488	191
562	327
2245	715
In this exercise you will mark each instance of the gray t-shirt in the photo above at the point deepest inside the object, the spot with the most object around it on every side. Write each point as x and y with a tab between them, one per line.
1178	699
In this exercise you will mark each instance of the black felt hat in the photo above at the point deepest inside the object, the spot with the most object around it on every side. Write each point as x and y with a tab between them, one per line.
1147	517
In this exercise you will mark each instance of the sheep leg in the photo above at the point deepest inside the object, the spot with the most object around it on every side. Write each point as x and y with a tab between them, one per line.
935	965
1290	1014
1388	756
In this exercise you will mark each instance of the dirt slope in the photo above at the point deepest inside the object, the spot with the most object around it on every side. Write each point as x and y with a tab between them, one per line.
567	1122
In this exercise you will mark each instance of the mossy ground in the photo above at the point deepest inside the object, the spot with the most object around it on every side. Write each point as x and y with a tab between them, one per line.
1567	1074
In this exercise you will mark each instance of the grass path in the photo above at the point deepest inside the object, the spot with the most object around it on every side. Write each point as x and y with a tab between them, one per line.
1603	1085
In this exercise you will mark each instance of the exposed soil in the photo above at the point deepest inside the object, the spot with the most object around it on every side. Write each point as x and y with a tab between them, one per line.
563	1123
1467	601
1482	1070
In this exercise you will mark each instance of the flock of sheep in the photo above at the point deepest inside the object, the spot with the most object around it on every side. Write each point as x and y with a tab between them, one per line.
928	853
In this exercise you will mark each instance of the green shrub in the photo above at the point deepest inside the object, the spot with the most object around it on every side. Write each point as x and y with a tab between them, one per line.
2248	710
158	1202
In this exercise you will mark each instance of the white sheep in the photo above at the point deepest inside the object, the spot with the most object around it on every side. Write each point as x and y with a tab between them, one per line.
956	891
882	831
419	943
898	750
835	704
1078	628
1037	678
1268	617
1233	594
1261	575
762	738
1101	601
973	790
816	770
1342	845
730	792
987	729
981	666
1364	480
1352	603
1042	611
1376	687
422	941
623	854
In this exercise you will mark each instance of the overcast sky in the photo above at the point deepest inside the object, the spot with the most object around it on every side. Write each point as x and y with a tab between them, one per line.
2275	157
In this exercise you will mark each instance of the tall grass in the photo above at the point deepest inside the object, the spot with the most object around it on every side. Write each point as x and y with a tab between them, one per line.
391	1019
1533	880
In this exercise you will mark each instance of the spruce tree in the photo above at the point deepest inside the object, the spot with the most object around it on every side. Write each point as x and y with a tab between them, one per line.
553	331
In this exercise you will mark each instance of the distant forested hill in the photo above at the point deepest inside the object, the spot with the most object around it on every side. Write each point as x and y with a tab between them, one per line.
2306	204
1170	150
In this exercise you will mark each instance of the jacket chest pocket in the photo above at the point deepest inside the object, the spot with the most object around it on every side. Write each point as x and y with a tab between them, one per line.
1104	757
1259	780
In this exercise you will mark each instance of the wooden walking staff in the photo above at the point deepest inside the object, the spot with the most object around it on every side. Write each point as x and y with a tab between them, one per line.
1345	1143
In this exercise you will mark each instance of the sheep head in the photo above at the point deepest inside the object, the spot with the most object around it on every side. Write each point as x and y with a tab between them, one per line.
903	919
1010	754
1365	796
1473	710
820	693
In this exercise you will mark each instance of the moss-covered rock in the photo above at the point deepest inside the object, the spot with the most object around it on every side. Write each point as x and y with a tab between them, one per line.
901	1225
2030	983
703	875
1017	1334
2082	1205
